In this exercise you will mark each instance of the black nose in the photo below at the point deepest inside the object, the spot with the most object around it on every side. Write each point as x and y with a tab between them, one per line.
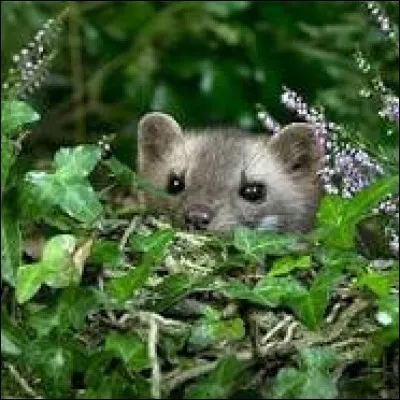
198	216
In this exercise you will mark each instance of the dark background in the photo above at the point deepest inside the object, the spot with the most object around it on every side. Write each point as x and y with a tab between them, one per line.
206	62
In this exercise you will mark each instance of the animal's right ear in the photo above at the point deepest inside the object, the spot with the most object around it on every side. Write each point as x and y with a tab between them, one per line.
157	134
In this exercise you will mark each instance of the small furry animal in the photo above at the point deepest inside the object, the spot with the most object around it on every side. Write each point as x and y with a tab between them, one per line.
222	178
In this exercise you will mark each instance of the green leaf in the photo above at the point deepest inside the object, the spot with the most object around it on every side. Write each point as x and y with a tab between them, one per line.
77	161
238	290
154	244
8	346
78	200
284	265
53	361
312	310
125	287
59	267
280	290
13	336
219	383
337	218
29	280
14	115
130	348
7	159
209	331
258	244
378	283
313	379
74	195
308	305
106	252
57	257
174	287
67	187
287	384
322	359
70	310
10	244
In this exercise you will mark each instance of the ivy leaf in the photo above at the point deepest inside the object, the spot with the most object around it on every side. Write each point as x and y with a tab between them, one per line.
210	330
337	218
53	361
77	161
70	310
313	379
14	115
280	290
106	252
78	200
379	283
10	244
256	244
130	348
29	280
154	244
219	383
311	308
238	290
308	305
13	338
74	196
61	265
124	287
7	159
284	265
174	287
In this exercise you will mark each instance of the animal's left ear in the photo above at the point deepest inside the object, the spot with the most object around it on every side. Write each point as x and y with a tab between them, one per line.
296	146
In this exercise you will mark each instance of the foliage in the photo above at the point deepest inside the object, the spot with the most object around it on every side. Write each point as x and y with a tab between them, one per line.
122	304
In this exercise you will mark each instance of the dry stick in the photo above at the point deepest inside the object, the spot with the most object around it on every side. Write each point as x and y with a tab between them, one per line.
290	332
190	374
202	369
128	231
23	383
155	366
275	329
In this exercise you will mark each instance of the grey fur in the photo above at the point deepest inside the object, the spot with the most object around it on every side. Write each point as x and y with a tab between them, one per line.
215	161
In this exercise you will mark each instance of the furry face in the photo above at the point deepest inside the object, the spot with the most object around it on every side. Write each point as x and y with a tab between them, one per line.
219	179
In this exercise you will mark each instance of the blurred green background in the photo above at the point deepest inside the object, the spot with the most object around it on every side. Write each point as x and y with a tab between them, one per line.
207	63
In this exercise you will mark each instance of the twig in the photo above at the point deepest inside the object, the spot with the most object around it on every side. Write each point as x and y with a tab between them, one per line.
155	366
131	227
275	329
190	374
23	383
290	332
334	313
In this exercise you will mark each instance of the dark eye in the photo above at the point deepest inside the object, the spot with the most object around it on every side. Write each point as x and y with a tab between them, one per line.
176	184
253	192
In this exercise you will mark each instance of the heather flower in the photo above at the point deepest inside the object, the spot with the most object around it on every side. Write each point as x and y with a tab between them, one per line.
31	64
267	120
346	170
378	14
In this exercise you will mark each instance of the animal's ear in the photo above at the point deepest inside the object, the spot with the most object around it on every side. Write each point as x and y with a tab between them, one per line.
157	134
296	146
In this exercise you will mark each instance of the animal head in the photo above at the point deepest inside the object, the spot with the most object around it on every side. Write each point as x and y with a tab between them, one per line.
219	179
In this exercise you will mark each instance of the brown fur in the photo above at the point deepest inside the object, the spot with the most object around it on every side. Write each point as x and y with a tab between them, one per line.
214	162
